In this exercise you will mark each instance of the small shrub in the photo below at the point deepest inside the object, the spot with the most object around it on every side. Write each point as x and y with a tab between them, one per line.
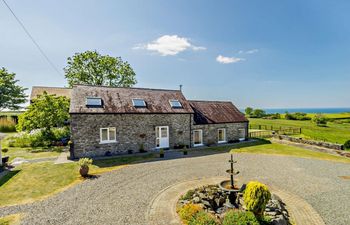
235	217
320	120
188	211
4	150
203	218
60	133
84	162
296	116
255	197
347	144
188	195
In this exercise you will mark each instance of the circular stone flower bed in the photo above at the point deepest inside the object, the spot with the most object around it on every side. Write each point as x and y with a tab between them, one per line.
209	205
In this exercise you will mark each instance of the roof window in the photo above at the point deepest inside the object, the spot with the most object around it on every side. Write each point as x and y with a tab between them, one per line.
175	104
138	102
93	102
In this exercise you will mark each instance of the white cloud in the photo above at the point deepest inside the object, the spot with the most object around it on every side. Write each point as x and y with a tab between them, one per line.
198	48
251	51
226	60
169	45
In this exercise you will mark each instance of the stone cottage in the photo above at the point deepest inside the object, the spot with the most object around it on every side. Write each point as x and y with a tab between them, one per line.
106	120
109	120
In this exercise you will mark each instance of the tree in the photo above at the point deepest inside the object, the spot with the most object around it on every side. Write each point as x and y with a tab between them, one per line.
248	111
258	113
320	120
46	111
92	68
11	94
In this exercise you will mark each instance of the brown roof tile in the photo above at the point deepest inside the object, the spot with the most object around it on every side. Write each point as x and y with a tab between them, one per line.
210	112
119	100
58	91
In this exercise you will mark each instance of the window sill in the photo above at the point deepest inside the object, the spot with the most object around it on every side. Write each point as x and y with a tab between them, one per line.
197	145
222	142
108	142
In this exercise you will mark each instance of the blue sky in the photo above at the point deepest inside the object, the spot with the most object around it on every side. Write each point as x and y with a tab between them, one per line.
254	53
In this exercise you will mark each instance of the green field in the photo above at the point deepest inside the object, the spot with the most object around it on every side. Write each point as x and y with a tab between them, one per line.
333	132
264	147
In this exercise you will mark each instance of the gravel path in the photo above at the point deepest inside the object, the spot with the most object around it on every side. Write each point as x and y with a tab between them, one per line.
123	196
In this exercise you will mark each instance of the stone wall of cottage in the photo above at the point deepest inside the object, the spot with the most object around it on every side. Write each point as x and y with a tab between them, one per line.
233	132
132	130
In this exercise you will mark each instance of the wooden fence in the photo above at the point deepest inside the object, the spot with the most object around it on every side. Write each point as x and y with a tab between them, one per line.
270	133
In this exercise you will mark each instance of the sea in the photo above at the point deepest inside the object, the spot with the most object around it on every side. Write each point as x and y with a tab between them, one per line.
305	110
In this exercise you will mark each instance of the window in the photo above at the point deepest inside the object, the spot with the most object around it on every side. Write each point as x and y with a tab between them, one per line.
137	102
242	134
175	104
221	135
108	135
197	138
93	102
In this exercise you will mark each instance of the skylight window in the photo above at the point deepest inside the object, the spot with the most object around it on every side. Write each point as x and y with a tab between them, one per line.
175	104
93	102
137	102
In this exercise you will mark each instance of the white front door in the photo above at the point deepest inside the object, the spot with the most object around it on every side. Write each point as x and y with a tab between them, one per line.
162	137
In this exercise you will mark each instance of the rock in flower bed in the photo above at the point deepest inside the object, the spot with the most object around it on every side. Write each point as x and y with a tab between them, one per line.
212	199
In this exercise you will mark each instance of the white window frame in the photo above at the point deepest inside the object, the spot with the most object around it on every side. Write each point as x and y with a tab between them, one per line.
139	99
240	132
109	140
175	107
201	132
224	141
94	98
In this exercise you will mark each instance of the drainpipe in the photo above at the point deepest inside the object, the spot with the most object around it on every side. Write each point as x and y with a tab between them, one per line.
190	145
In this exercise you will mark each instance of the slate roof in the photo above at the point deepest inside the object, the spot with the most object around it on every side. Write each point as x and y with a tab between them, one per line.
211	112
119	100
58	91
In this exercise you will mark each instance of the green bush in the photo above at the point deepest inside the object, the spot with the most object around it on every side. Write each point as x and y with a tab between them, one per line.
188	195
188	211
255	197
296	116
320	120
4	150
347	144
33	139
59	133
234	217
203	218
38	138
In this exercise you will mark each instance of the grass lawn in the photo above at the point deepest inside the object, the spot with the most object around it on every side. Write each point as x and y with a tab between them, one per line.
31	182
10	220
264	147
334	132
30	153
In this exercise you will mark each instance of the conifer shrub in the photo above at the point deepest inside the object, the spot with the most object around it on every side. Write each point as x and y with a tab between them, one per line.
255	197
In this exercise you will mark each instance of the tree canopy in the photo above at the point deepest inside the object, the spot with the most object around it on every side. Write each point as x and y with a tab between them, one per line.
11	94
248	111
90	67
46	111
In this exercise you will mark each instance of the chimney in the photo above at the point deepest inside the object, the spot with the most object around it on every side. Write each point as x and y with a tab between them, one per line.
180	87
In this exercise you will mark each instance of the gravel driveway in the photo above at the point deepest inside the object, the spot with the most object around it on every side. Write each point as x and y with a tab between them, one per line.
123	196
